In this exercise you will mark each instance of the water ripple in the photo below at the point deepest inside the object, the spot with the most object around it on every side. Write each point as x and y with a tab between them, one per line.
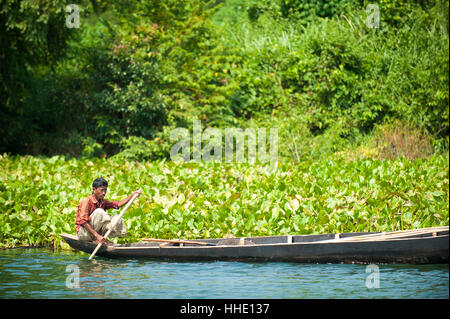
39	273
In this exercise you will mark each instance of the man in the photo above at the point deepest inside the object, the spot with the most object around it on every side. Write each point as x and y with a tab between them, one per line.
92	222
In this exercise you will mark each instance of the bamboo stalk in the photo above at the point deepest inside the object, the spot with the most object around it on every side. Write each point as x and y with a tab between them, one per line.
413	232
382	237
176	241
391	235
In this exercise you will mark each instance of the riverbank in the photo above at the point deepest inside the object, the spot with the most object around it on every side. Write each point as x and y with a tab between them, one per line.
39	197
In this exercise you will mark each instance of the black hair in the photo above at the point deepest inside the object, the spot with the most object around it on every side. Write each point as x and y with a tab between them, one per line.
99	182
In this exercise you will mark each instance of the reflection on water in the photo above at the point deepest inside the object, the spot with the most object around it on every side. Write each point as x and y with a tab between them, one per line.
39	273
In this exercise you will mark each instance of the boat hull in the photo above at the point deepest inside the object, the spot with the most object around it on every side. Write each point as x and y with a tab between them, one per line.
303	249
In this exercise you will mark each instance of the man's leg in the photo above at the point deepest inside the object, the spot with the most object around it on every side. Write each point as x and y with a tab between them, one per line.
99	221
84	235
119	230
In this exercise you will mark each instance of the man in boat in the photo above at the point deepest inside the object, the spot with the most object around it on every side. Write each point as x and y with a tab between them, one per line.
92	222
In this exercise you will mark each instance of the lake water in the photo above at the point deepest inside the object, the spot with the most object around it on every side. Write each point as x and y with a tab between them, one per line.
40	273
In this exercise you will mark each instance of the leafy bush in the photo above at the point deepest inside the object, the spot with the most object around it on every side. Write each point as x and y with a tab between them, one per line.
143	68
136	148
307	10
339	76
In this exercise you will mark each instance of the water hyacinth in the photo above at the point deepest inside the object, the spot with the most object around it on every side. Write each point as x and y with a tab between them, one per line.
39	197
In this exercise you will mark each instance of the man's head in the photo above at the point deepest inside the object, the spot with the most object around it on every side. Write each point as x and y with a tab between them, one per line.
99	188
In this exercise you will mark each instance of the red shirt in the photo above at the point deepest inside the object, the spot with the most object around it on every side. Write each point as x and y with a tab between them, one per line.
88	205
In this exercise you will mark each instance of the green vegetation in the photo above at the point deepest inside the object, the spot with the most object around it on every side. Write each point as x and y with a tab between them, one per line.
39	196
362	114
135	70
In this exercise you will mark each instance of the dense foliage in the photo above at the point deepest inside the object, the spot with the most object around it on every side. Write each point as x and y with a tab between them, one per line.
135	70
38	197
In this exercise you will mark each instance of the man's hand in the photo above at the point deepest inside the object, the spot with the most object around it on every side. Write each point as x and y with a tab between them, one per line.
100	239
139	192
126	200
97	237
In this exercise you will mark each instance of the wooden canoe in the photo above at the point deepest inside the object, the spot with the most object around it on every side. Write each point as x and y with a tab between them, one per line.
414	248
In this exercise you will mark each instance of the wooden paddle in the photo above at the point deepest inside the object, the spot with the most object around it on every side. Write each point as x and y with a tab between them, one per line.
114	225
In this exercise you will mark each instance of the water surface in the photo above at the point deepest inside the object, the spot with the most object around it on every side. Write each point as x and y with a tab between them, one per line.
40	273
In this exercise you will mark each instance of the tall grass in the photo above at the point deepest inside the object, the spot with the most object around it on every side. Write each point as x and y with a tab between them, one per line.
372	76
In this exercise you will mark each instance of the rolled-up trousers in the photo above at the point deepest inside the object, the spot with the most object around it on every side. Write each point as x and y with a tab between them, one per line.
101	222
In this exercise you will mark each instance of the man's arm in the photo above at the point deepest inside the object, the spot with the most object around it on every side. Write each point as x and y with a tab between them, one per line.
126	200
